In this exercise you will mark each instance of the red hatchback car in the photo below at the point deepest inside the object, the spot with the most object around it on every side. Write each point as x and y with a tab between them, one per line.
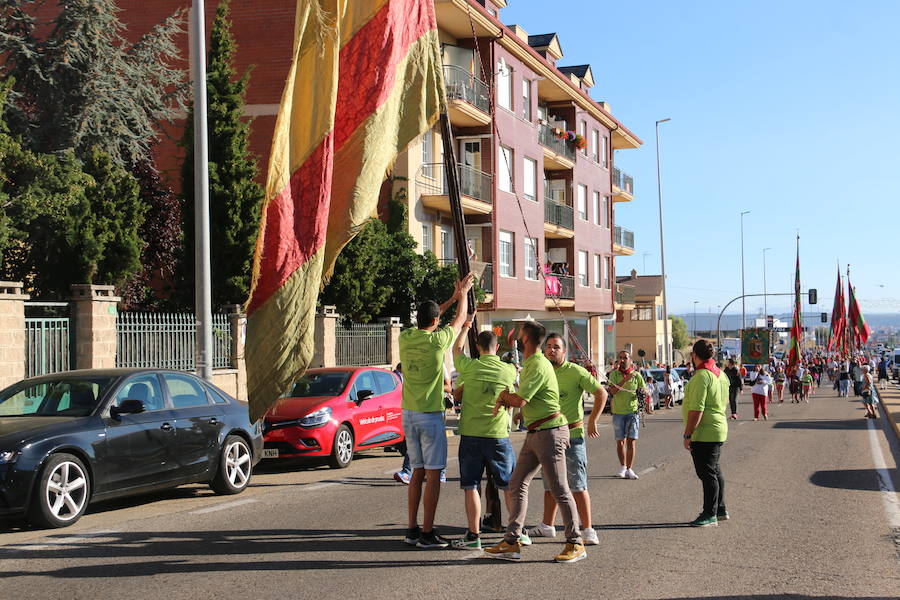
335	412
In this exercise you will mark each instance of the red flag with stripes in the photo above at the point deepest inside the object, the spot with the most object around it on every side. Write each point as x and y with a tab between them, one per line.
858	326
838	319
796	327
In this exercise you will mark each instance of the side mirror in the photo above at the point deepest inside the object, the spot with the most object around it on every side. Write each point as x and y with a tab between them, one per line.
362	395
127	407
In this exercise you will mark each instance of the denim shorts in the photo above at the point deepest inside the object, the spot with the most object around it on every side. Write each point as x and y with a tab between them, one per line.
626	426
576	465
478	453
868	398
426	439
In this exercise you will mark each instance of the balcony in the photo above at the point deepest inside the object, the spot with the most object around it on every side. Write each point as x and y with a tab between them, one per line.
559	220
558	153
559	291
486	281
623	241
468	98
622	186
475	189
624	296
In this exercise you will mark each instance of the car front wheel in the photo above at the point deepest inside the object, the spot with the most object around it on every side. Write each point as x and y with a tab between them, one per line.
235	467
342	448
63	491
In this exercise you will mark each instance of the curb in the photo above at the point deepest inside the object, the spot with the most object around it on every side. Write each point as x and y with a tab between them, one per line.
890	405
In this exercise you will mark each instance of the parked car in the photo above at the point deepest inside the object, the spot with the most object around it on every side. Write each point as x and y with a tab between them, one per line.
683	373
677	384
73	438
336	412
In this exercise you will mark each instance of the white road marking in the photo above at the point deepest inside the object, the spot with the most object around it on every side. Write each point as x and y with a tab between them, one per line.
888	493
648	470
225	506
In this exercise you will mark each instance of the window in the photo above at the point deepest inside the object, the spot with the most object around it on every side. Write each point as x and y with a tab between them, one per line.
604	152
583	268
385	381
428	154
642	313
607	269
217	395
595	145
529	175
507	254
526	100
582	129
605	216
598	265
144	388
582	202
504	84
364	381
531	258
505	170
185	392
447	243
659	312
595	207
427	237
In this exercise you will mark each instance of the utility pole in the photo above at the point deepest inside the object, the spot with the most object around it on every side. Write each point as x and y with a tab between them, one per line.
662	250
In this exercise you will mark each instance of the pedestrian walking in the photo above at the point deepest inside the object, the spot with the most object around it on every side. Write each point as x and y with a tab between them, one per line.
868	393
883	366
779	383
857	373
705	430
624	384
574	381
667	388
807	382
735	385
795	386
760	392
422	350
844	379
544	448
484	435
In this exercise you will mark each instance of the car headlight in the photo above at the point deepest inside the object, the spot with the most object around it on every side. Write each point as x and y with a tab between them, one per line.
317	418
8	456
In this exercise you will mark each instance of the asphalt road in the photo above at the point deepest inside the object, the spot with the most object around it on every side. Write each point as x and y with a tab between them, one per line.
809	519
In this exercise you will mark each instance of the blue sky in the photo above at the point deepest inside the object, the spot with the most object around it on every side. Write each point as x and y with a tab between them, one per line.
788	109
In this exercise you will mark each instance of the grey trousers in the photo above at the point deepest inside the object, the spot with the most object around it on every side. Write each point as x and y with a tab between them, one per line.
545	449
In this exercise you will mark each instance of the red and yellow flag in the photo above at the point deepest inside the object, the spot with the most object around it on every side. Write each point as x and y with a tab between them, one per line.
794	354
365	80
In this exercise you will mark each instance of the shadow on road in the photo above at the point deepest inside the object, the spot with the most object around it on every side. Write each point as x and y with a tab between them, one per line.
629	526
782	597
850	479
822	424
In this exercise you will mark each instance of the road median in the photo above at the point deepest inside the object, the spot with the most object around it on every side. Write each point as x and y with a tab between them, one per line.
890	402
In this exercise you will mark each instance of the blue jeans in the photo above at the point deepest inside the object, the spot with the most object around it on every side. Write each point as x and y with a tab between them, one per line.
477	454
426	439
408	469
626	426
844	387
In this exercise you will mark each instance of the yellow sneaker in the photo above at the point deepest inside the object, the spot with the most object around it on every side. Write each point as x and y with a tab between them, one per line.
505	551
571	553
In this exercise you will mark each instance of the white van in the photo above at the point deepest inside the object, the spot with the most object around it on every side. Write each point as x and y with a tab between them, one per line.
895	364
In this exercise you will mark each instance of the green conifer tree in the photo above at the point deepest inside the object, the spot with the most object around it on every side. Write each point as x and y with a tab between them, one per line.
235	197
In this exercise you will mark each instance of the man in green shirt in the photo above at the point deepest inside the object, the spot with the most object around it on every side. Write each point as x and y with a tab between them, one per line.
422	352
544	448
573	380
484	434
624	382
706	429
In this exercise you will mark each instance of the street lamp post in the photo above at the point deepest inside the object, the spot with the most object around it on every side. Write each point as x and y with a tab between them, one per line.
743	290
695	317
765	300
662	251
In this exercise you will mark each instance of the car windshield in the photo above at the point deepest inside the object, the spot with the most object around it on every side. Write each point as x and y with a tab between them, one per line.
657	374
62	397
331	383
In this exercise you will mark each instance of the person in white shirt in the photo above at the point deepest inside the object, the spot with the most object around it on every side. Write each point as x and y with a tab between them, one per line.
760	392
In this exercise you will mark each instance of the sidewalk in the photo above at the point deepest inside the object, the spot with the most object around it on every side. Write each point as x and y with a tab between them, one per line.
890	403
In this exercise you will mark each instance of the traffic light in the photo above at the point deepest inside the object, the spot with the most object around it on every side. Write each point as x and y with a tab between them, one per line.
824	317
813	296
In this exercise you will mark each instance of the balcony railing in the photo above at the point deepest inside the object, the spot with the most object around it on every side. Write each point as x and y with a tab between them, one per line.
462	85
624	294
559	286
623	181
623	237
487	279
547	139
472	182
559	214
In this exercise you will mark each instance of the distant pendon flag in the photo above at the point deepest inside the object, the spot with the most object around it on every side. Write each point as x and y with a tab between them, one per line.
365	80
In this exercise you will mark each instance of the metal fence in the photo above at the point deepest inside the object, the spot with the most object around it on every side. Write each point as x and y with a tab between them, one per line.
167	341
431	181
623	181
623	237
361	344
462	85
559	214
547	138
47	346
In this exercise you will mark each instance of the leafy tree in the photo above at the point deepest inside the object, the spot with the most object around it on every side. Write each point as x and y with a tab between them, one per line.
406	269
235	197
82	85
680	337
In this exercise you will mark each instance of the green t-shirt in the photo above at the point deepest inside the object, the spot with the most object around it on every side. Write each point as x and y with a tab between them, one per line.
484	378
541	392
422	357
573	381
807	378
707	393
625	402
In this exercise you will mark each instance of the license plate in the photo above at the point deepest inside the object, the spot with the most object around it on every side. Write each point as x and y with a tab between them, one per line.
270	453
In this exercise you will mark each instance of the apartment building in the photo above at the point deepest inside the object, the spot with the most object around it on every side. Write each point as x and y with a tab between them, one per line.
639	322
531	198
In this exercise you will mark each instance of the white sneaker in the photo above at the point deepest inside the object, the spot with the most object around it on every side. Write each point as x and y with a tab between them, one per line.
622	471
629	474
589	536
542	531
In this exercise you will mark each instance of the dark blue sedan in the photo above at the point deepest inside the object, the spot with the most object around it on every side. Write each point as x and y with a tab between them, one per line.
73	438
